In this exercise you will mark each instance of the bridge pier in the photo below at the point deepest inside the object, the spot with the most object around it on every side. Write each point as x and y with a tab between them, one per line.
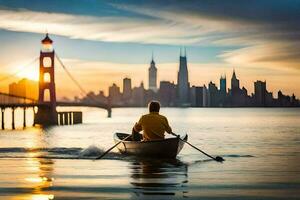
13	118
69	118
109	111
2	118
60	118
33	110
46	116
24	117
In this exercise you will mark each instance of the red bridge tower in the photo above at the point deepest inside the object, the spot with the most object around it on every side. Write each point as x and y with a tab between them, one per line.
46	114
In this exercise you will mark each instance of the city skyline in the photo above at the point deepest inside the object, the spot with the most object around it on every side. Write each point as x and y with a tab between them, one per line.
264	47
182	94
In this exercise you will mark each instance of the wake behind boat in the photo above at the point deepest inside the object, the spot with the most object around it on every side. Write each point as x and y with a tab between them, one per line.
167	148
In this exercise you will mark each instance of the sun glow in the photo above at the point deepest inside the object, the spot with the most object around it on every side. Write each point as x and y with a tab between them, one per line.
29	73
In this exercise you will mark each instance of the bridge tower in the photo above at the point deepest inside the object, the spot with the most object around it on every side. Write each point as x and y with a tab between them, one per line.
46	114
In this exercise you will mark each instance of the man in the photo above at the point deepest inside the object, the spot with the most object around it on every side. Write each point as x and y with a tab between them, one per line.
153	124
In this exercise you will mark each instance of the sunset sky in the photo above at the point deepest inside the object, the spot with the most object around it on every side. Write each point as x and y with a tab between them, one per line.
101	42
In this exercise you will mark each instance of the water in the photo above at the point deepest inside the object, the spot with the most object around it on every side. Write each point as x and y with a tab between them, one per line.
261	148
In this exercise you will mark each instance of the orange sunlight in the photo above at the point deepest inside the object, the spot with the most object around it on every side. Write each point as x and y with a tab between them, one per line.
32	73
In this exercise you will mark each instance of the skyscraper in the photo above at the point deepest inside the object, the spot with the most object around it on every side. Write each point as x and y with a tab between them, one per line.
126	89
152	76
223	90
235	83
167	93
114	94
260	93
183	81
213	94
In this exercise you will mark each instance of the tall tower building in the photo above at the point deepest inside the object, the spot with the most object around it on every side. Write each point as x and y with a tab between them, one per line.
260	93
235	83
152	76
183	80
223	90
223	85
127	88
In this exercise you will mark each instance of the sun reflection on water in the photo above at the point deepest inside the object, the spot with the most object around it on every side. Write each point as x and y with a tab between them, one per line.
42	197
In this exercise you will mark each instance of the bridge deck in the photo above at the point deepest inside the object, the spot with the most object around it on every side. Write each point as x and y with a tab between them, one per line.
64	104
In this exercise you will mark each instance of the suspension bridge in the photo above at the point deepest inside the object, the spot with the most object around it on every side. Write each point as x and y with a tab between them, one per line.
44	109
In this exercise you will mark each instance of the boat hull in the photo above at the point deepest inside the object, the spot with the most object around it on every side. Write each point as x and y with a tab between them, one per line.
167	148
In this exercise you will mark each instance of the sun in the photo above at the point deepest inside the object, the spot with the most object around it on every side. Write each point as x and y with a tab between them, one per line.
30	73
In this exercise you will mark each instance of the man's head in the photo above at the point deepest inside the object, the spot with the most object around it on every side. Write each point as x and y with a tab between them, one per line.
154	106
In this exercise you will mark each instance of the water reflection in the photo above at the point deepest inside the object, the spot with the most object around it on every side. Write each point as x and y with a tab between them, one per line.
159	178
38	177
40	181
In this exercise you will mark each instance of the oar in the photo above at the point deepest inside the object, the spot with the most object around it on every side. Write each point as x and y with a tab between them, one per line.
106	152
218	158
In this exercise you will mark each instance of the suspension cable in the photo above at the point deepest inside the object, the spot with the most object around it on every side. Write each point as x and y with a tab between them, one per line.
74	80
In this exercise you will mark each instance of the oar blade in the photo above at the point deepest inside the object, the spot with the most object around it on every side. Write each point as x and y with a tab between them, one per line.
219	159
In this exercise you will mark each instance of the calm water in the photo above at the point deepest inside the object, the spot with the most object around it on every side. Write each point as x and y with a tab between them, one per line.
261	148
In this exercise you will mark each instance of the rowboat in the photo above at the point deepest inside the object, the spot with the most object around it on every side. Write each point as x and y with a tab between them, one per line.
167	148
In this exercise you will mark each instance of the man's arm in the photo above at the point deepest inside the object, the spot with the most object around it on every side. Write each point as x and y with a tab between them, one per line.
168	128
138	126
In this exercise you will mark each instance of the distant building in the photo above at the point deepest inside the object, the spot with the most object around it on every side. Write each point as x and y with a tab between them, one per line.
260	93
213	95
235	83
150	95
205	96
138	95
284	100
183	81
152	76
223	90
24	88
237	96
127	91
197	94
101	97
114	94
167	93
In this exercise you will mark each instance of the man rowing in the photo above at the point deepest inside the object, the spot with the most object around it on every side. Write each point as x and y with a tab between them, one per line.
153	125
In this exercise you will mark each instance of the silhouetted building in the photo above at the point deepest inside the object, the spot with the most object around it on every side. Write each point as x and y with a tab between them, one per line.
213	97
223	90
167	93
114	94
150	95
24	88
205	96
127	91
152	76
197	96
183	82
260	92
284	100
138	95
237	96
235	83
101	97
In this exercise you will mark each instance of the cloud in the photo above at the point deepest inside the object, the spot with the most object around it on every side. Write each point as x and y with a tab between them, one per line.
271	37
110	29
257	33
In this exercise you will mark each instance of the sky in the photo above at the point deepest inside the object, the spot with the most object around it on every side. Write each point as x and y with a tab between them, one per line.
101	42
